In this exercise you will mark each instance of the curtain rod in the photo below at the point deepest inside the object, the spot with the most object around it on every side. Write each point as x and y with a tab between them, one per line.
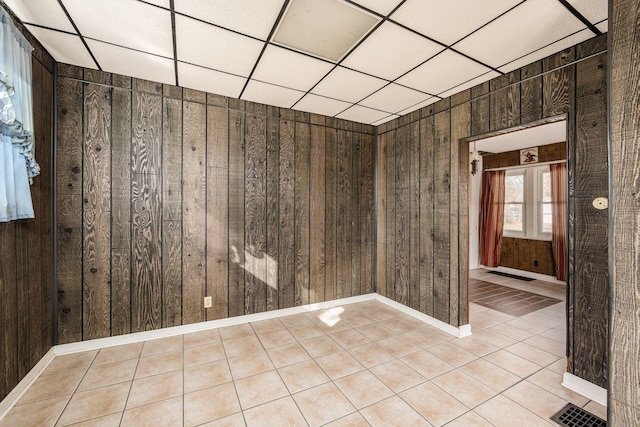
525	166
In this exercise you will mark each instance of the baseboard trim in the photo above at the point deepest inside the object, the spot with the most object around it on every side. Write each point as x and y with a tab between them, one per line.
523	273
14	396
585	388
19	390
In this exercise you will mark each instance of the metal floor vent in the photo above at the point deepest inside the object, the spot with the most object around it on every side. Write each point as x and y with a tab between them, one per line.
572	416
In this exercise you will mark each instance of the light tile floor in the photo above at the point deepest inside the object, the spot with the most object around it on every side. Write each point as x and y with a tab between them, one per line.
368	365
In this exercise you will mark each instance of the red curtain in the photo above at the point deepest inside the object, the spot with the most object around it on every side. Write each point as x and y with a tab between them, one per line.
559	222
491	217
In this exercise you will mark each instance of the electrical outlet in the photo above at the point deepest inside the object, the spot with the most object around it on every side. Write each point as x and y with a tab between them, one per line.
535	263
207	302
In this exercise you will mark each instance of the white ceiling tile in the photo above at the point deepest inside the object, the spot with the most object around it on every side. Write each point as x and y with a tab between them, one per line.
419	105
321	105
358	113
212	47
124	22
211	81
530	26
603	26
572	40
383	7
390	51
291	69
468	84
162	3
348	85
65	48
593	10
394	98
270	94
47	13
449	21
442	72
385	120
120	60
254	18
324	28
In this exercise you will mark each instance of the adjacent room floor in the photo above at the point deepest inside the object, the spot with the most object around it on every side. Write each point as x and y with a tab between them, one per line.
357	365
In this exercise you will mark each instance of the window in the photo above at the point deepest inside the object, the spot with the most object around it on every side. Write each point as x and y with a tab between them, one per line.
527	203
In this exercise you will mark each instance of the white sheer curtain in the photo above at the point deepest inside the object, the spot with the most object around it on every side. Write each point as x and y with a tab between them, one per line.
16	123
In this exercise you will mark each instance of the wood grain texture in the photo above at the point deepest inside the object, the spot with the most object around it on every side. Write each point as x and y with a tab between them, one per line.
367	209
355	211
427	188
531	92
391	215
194	157
331	213
146	212
121	212
505	101
381	214
218	211
317	197
624	338
403	215
171	211
255	232
343	215
301	235
273	208
414	214
236	212
286	238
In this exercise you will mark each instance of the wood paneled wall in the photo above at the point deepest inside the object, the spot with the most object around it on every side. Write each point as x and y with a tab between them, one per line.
26	248
167	195
423	187
624	339
546	153
524	254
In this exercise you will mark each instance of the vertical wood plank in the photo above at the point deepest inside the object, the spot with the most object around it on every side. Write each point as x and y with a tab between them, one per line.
391	214
367	225
69	201
381	214
531	92
286	255
426	214
441	239
8	283
255	232
331	207
218	211
121	212
194	212
414	213
505	101
480	109
317	215
343	203
403	217
236	213
273	208
302	138
146	212
97	212
171	212
356	209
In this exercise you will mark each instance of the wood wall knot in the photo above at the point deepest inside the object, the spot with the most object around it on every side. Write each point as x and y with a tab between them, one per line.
75	169
93	270
66	310
98	148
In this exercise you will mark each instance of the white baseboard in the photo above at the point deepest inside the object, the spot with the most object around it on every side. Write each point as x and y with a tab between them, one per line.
529	274
585	388
18	391
12	398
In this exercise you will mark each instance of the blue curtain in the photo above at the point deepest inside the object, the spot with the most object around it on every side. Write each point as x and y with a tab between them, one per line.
16	123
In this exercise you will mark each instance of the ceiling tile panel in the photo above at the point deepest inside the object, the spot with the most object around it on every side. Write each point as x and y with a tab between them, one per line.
530	26
212	47
65	48
124	22
449	21
162	3
383	7
603	26
321	105
469	83
47	13
271	94
394	98
251	17
291	69
572	40
358	113
207	80
391	51
442	72
593	10
348	85
120	60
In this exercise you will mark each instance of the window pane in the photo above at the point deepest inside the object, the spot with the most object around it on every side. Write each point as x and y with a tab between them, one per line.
513	217
514	189
546	186
547	218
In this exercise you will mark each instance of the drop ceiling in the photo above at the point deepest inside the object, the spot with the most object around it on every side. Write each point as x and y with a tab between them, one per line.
362	60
